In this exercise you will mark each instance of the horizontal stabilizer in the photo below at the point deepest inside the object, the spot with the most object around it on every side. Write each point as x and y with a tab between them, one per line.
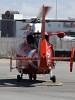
60	58
66	58
23	58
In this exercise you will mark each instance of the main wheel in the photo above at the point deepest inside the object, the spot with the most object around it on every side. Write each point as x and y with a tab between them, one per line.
53	78
34	77
30	76
18	78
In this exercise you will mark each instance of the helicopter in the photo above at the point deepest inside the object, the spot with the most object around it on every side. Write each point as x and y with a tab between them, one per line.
40	60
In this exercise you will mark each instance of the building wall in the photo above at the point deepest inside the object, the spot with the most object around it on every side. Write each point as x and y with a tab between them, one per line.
8	28
19	28
8	23
65	26
51	26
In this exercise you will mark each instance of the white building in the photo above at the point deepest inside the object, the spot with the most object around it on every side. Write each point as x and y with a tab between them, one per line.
67	26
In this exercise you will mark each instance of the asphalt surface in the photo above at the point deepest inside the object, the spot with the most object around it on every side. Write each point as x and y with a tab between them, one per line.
42	88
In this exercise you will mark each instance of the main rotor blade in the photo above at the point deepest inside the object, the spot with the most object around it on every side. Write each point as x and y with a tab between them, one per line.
40	15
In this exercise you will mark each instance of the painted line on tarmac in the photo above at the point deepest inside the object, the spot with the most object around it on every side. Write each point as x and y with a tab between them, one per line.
49	84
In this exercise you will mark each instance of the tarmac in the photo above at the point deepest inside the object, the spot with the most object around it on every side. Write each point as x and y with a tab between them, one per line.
42	88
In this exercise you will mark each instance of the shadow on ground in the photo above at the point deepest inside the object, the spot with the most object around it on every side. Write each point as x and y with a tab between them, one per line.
23	83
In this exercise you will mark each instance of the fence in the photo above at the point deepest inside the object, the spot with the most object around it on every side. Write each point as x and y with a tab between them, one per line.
7	43
63	45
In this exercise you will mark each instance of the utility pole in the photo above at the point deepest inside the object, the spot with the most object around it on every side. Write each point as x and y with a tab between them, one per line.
56	9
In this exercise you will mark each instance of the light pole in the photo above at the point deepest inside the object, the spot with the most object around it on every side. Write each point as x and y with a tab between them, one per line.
56	9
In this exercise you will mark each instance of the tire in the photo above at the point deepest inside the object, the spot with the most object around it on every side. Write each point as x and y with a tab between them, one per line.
53	79
34	77
18	78
30	76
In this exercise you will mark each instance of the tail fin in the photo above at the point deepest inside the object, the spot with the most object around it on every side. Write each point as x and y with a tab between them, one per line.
45	11
42	15
43	43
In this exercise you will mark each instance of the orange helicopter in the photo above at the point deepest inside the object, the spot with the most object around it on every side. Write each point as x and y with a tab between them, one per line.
42	59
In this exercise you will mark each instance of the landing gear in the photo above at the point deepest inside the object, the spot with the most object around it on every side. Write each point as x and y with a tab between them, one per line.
32	76
52	77
19	77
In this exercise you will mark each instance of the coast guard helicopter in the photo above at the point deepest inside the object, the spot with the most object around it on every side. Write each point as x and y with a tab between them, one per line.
40	60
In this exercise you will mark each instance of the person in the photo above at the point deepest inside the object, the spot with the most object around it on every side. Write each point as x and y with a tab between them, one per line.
25	47
28	43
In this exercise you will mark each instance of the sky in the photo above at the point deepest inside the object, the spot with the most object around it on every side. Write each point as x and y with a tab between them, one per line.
65	8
